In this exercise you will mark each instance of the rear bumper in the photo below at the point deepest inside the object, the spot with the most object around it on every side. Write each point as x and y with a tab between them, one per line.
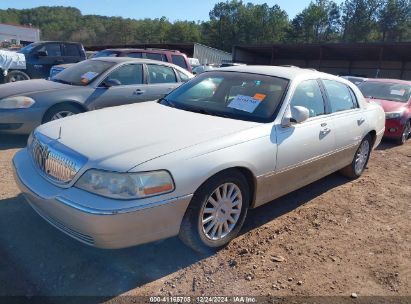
105	228
20	121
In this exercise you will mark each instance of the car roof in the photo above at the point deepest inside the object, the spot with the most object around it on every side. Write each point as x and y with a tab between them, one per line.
277	71
388	80
126	50
118	60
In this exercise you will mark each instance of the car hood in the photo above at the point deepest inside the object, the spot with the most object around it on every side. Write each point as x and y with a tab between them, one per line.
388	105
123	137
30	86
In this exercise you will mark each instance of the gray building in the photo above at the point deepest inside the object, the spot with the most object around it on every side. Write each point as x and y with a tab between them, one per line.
382	60
18	34
205	54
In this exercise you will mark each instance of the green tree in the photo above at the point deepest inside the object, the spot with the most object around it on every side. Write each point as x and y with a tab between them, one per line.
395	20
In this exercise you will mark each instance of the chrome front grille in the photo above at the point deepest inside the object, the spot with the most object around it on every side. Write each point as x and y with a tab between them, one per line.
56	161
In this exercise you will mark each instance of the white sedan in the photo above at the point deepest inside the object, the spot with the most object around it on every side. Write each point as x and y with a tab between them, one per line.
193	163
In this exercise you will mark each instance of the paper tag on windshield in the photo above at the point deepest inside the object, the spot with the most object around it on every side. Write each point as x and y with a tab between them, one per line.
89	76
398	92
244	103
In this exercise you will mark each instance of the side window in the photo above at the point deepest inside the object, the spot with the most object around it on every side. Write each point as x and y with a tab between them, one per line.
161	74
179	60
154	56
72	50
52	49
308	95
135	55
339	95
128	74
184	77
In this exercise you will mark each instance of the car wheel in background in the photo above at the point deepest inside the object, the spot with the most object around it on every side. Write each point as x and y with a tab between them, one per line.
60	111
14	76
216	212
405	133
361	157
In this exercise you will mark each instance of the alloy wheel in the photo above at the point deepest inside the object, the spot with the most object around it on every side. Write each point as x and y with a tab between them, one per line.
362	156
406	132
221	212
61	114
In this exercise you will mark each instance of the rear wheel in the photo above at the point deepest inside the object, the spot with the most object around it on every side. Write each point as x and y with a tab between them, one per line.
60	111
216	212
361	157
14	76
405	133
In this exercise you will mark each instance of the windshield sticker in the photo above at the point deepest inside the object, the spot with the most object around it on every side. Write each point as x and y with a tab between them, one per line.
398	92
244	103
87	77
259	96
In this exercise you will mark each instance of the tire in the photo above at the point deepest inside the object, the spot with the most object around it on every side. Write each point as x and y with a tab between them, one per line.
60	111
405	133
14	76
361	157
193	231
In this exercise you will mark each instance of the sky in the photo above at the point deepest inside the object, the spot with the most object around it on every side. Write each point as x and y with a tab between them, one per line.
138	9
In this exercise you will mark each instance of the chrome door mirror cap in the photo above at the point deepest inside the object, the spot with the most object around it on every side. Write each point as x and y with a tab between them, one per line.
295	114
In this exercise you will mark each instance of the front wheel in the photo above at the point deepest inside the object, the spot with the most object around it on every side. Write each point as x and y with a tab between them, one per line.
361	157
405	133
60	111
14	76
216	213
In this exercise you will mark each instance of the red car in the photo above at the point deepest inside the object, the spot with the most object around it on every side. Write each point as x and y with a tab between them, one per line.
394	96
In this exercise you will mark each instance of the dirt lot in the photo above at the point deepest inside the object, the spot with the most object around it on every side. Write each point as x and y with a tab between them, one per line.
333	237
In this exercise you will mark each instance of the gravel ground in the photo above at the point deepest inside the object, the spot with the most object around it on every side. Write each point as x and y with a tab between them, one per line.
334	237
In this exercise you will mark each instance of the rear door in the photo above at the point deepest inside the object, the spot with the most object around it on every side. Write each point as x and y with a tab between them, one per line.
131	87
304	149
71	53
348	119
161	80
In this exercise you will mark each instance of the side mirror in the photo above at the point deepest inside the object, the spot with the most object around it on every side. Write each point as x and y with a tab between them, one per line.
111	82
42	53
295	114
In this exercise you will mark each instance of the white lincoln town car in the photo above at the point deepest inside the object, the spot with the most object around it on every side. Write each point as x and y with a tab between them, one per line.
193	163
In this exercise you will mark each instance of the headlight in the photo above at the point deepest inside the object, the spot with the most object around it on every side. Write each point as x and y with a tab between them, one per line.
126	185
16	102
392	115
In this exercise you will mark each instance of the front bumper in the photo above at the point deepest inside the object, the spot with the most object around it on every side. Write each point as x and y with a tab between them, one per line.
20	121
394	128
105	228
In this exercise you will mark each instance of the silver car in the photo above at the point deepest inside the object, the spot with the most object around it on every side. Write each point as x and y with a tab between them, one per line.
195	162
88	85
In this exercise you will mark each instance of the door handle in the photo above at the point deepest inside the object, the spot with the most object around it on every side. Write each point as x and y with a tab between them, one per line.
360	121
325	131
138	92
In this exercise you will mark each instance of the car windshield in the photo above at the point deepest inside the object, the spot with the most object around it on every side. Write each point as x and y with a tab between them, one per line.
27	48
241	96
83	73
387	91
106	53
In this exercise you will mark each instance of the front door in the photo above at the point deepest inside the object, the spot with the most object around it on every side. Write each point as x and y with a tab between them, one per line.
304	149
129	87
43	58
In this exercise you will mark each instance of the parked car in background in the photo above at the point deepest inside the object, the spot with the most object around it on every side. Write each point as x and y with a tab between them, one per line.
355	79
195	162
88	85
395	98
203	68
41	56
170	56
